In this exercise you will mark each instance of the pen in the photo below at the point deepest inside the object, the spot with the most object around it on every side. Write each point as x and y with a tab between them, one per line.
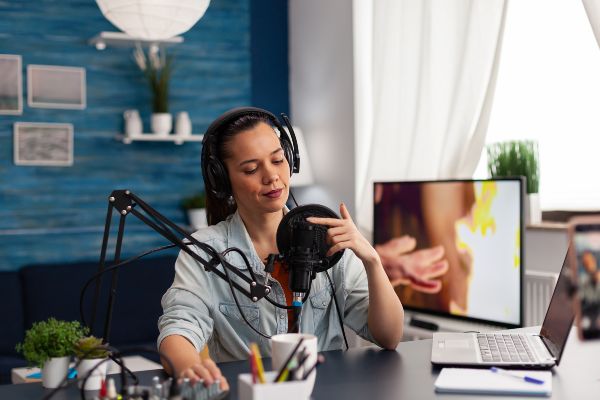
521	377
285	364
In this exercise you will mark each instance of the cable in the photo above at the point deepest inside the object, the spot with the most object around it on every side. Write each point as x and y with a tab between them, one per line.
337	308
293	198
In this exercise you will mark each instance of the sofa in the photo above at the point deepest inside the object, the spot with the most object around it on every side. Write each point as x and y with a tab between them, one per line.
37	292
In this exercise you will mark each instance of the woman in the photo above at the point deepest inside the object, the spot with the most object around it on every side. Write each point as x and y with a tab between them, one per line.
246	170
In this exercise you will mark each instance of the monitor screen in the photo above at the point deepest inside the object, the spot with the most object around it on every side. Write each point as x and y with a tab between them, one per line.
454	248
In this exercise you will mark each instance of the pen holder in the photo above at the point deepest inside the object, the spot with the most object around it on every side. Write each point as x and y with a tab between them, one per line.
290	390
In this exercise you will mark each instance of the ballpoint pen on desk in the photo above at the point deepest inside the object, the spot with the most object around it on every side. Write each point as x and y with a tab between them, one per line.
517	376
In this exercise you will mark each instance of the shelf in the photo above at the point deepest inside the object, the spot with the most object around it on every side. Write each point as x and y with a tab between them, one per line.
120	39
151	137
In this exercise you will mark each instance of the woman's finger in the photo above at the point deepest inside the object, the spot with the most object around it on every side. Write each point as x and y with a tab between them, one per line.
340	238
339	230
325	221
435	270
203	373
344	212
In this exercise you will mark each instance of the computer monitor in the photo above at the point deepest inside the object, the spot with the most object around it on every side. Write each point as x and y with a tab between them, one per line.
479	226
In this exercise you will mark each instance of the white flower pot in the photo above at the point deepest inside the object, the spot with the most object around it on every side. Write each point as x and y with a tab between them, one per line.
533	211
161	123
197	217
54	371
94	382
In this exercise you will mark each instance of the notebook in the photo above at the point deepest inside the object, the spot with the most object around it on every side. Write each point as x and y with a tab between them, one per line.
514	350
484	381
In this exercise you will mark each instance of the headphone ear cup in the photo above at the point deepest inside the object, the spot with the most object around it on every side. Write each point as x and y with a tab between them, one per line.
218	178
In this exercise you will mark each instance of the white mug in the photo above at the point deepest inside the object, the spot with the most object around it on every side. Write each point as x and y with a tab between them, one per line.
133	122
283	345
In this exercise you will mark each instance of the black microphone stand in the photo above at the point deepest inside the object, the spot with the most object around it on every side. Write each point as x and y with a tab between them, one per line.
126	203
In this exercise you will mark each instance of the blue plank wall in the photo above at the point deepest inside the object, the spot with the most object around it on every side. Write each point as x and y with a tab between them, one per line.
56	214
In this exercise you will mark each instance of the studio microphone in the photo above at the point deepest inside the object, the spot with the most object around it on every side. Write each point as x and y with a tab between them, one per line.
304	246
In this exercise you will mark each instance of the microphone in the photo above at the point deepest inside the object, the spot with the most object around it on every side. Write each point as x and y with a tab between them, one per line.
304	246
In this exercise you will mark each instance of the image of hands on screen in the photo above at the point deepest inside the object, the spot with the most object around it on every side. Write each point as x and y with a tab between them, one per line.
452	247
587	247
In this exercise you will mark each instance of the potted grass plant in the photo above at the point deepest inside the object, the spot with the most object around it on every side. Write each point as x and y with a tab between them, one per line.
49	345
157	67
90	351
195	206
518	158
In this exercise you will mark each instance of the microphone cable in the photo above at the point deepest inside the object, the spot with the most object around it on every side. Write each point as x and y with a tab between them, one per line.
337	308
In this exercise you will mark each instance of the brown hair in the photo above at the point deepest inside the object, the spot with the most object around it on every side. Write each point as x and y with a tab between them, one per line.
218	209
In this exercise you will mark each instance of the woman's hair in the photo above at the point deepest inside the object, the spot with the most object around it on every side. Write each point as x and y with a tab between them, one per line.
218	210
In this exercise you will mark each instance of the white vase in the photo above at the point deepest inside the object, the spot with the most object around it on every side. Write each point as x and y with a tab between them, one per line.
161	123
54	371
133	123
94	382
197	217
533	211
183	124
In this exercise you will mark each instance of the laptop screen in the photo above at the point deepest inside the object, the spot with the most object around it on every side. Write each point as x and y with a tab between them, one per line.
472	226
559	317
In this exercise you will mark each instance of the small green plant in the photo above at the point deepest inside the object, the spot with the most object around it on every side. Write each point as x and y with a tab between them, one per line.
515	158
90	347
196	201
48	339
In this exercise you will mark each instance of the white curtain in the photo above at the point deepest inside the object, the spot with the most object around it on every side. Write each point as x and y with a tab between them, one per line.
592	9
423	103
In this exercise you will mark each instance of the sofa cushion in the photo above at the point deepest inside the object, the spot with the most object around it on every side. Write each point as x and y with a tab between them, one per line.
53	290
11	307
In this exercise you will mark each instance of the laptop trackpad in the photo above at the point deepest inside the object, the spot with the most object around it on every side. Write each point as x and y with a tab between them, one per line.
453	348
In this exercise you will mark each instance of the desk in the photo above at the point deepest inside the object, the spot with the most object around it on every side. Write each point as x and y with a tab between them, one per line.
369	373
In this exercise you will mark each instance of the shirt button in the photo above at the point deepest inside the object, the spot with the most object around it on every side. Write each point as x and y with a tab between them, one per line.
281	316
324	304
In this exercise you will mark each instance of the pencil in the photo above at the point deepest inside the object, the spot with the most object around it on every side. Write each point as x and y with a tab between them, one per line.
259	365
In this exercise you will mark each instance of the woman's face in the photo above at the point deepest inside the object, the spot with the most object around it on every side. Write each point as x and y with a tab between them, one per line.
258	170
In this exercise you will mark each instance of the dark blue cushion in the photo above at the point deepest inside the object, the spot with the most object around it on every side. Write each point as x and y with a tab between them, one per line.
11	309
54	291
7	363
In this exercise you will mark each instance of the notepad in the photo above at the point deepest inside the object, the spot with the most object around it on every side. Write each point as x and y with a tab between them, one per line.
484	381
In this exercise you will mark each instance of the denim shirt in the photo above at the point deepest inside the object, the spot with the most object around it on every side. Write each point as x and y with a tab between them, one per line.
199	305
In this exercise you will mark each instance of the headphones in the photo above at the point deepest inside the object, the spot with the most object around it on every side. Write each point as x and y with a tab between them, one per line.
213	170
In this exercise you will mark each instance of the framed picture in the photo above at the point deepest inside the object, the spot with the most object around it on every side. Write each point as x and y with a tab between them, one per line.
49	86
43	144
11	87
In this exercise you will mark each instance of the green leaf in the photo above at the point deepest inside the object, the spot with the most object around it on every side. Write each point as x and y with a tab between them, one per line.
515	158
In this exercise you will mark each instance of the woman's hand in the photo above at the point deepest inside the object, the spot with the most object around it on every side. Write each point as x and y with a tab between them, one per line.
343	234
404	266
207	371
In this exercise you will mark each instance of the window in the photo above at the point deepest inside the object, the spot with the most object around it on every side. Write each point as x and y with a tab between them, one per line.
548	89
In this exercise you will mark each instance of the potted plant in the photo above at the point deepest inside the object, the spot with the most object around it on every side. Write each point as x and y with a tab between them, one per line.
49	345
195	206
90	351
157	67
518	158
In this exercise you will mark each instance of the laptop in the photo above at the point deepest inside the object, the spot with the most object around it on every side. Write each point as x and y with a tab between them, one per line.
513	349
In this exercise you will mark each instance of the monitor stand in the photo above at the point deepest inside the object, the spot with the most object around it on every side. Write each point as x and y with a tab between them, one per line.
422	326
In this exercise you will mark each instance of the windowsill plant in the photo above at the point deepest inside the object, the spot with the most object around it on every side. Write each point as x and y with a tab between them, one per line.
518	158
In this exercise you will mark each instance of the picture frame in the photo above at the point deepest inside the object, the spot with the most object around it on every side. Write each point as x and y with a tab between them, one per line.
50	86
43	144
11	85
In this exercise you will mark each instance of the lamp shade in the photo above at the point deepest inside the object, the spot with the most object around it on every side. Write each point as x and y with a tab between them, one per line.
305	176
153	19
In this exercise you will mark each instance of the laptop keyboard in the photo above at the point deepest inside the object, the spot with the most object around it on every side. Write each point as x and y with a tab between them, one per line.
496	347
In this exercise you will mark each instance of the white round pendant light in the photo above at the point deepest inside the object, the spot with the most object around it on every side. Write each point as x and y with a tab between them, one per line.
153	19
